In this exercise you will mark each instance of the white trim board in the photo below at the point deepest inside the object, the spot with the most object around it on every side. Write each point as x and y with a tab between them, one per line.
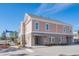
52	33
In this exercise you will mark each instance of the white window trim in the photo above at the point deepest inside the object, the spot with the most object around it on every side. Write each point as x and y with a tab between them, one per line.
45	27
35	26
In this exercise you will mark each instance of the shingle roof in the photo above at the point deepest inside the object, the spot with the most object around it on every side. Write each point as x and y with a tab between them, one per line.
46	18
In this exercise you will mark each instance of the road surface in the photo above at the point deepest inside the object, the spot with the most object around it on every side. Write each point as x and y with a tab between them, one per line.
71	50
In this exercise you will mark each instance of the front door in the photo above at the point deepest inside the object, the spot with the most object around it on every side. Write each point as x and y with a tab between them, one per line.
36	40
69	41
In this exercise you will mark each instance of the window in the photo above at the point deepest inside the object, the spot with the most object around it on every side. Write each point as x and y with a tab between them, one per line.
36	26
46	26
65	29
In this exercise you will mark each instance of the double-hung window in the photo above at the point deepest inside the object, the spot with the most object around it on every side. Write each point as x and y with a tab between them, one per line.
46	26
37	26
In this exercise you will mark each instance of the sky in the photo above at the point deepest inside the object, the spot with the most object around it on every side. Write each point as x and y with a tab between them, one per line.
12	14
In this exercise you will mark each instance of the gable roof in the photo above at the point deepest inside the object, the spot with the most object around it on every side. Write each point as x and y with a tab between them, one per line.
46	18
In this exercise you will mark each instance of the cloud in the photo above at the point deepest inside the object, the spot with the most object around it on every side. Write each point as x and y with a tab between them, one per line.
58	7
52	8
41	8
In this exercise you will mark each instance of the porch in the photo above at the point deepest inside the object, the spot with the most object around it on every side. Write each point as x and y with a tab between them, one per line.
54	39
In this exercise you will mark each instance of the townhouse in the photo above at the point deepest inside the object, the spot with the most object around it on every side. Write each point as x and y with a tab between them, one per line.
35	30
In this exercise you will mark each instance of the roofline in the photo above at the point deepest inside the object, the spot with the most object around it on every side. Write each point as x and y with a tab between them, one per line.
45	18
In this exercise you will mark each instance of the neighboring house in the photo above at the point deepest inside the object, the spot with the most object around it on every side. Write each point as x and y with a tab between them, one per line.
76	36
36	30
